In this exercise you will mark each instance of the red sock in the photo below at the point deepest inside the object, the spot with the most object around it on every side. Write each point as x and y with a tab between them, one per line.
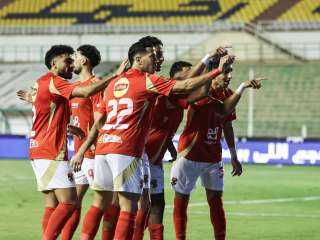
110	219
140	224
58	219
218	218
91	223
156	231
180	217
45	218
125	226
71	226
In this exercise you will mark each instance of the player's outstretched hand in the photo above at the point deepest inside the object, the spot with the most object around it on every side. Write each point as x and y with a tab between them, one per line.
25	95
76	162
122	66
219	52
73	130
255	83
236	167
225	62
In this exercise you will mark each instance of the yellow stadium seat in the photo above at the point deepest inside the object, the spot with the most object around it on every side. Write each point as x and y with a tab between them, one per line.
144	12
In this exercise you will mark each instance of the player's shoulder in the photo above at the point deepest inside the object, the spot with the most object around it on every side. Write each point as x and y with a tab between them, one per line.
94	79
45	77
229	92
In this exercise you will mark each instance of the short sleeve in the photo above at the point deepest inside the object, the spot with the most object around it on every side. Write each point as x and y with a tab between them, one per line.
101	107
96	101
159	85
179	101
61	87
230	117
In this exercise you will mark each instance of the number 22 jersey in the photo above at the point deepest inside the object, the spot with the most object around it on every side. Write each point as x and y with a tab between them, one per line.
127	102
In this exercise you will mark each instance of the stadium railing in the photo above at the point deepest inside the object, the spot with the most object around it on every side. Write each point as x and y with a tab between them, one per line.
287	26
105	28
245	51
147	28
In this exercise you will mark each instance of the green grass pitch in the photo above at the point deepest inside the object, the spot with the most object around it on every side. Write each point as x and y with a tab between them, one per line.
266	203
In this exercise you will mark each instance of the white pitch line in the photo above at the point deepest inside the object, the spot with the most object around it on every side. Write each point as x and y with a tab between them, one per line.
245	214
259	201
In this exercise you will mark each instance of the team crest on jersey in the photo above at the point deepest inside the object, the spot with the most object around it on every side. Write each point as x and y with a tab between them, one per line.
121	87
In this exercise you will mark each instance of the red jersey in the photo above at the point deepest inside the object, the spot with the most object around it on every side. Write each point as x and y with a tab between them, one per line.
51	115
223	95
127	103
200	140
166	118
82	110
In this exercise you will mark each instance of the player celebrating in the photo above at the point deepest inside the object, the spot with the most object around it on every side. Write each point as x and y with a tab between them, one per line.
162	130
226	125
125	117
200	155
160	133
82	115
48	138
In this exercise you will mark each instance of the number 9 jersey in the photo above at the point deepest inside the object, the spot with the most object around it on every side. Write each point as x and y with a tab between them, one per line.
127	102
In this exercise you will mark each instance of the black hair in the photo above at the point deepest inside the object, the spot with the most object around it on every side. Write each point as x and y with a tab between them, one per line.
90	52
215	64
177	67
55	51
137	47
151	39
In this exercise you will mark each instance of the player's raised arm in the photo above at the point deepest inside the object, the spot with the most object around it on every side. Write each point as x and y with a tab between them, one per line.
190	84
93	88
231	102
77	159
213	56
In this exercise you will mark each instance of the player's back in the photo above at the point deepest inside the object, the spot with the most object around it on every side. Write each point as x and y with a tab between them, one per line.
127	102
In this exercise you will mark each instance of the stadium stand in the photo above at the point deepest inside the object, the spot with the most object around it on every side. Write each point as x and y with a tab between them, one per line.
145	12
287	104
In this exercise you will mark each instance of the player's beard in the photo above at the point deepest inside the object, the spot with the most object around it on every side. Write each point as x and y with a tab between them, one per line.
66	75
77	71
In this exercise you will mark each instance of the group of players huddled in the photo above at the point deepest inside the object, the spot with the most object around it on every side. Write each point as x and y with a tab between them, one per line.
122	126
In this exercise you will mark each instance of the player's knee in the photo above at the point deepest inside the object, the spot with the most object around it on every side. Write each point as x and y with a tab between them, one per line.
128	201
181	195
157	202
145	201
100	199
214	193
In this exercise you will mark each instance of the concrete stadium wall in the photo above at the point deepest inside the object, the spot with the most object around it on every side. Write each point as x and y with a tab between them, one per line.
303	43
113	47
184	46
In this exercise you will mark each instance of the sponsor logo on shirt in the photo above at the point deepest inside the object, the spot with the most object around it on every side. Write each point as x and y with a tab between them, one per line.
33	143
211	136
121	87
111	138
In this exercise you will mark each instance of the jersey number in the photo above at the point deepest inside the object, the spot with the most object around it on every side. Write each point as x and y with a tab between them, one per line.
75	121
119	114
